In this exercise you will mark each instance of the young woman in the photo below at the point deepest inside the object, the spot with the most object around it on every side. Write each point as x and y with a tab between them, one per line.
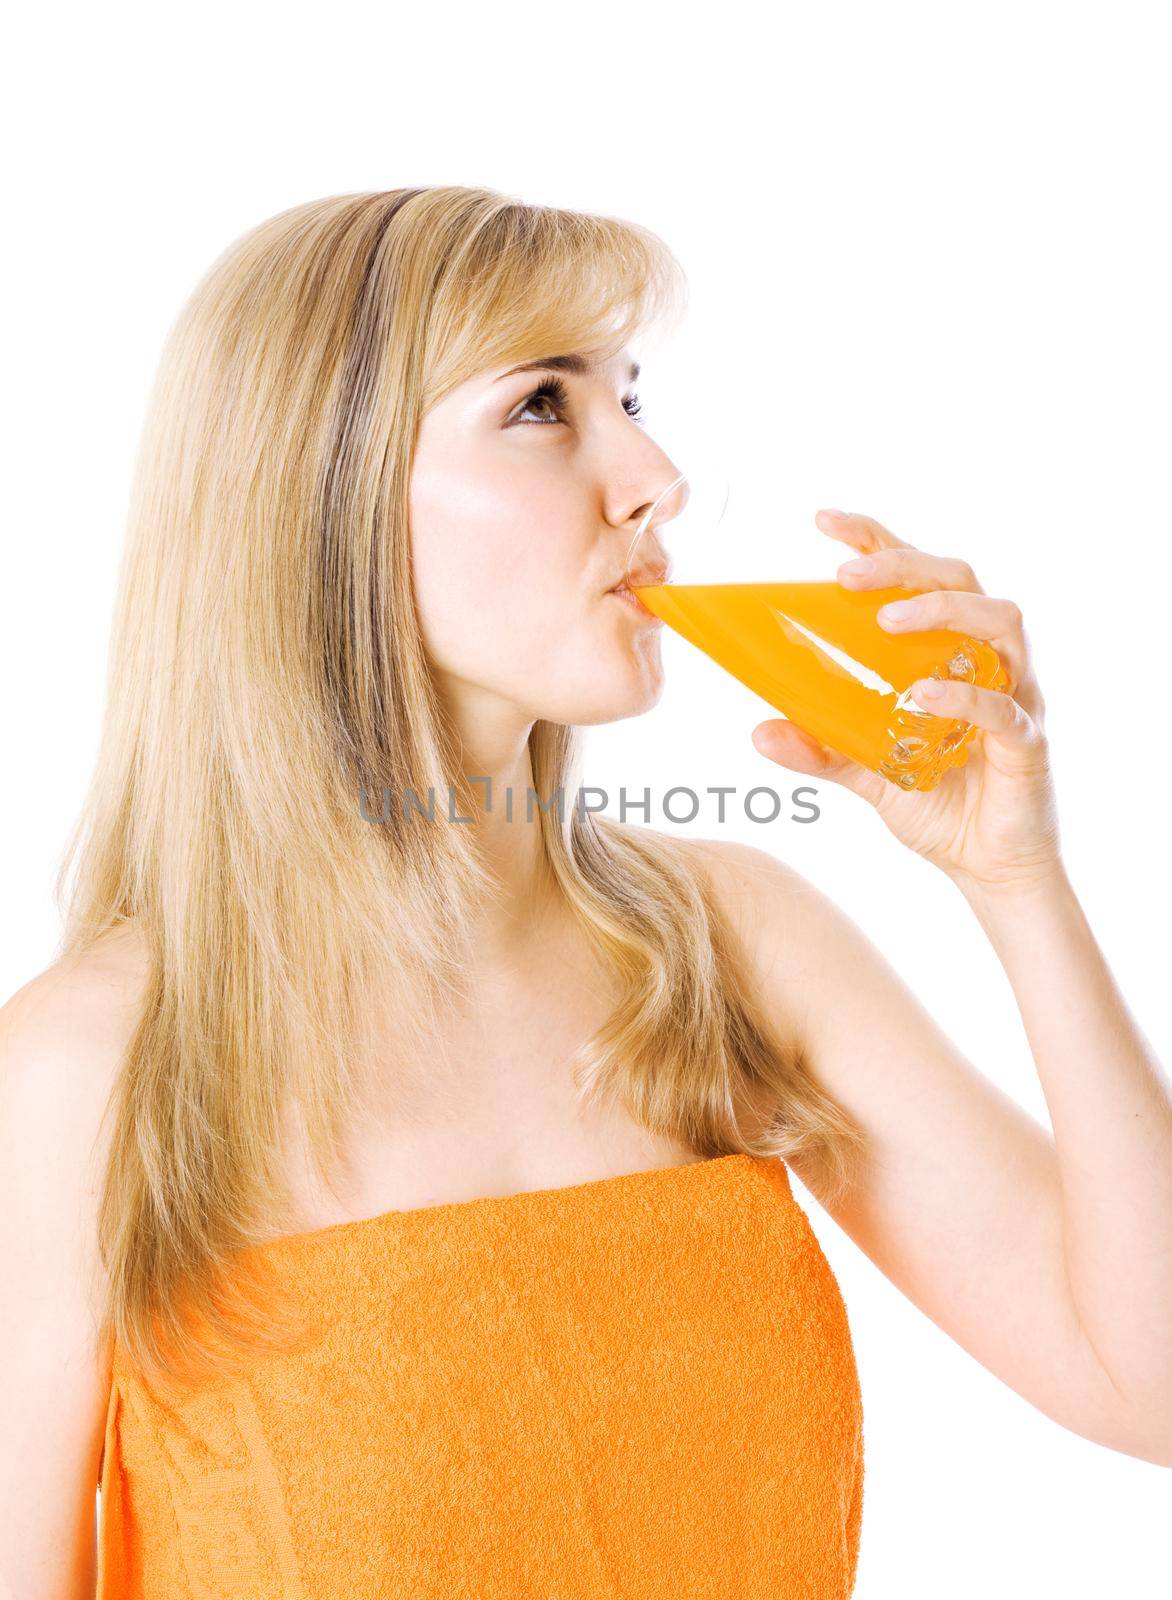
439	1237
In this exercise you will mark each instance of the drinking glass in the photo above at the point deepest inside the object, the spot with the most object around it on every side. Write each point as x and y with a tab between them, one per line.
770	611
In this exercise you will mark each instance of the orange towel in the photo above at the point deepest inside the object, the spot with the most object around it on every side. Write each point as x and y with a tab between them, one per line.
639	1386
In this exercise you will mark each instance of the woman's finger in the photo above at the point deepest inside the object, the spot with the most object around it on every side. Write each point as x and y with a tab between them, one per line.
863	532
903	567
991	709
792	746
998	622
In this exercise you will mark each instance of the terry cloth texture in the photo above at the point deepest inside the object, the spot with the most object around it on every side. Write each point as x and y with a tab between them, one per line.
638	1387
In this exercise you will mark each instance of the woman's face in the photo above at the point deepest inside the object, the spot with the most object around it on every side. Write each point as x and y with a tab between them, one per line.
522	512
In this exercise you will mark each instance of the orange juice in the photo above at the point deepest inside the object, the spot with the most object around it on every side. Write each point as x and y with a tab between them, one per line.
816	653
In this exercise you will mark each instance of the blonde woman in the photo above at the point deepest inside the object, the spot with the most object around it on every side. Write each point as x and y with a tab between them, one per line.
394	1195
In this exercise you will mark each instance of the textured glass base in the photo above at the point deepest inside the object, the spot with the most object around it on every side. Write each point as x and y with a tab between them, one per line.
923	745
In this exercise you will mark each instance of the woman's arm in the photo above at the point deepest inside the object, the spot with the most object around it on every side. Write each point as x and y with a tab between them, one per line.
1110	1107
61	1037
1048	1258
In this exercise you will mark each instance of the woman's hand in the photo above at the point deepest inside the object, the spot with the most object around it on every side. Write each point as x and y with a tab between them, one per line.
991	823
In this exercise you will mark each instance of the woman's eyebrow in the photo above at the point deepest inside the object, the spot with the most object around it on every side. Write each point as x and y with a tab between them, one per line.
574	363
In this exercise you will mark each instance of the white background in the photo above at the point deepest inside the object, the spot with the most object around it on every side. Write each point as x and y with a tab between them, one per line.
927	249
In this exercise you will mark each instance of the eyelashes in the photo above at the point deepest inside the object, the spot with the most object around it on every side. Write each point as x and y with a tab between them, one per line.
552	388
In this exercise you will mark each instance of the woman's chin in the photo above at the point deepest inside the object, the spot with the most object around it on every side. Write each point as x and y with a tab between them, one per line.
615	691
596	680
626	695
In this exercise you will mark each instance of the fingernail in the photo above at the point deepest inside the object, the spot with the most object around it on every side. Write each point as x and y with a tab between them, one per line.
859	567
828	513
896	611
932	689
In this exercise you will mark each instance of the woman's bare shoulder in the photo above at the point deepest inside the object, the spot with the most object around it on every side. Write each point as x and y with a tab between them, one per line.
743	871
63	1036
757	891
763	903
67	1027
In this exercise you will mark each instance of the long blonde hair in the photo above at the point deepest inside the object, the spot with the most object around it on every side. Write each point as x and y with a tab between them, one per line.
266	669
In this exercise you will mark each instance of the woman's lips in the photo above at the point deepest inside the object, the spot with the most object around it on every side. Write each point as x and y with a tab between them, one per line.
631	599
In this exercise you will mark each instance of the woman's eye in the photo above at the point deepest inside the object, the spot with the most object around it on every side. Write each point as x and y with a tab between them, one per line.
536	400
552	393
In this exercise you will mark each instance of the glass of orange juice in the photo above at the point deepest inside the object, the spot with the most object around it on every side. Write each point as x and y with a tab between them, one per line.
771	612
